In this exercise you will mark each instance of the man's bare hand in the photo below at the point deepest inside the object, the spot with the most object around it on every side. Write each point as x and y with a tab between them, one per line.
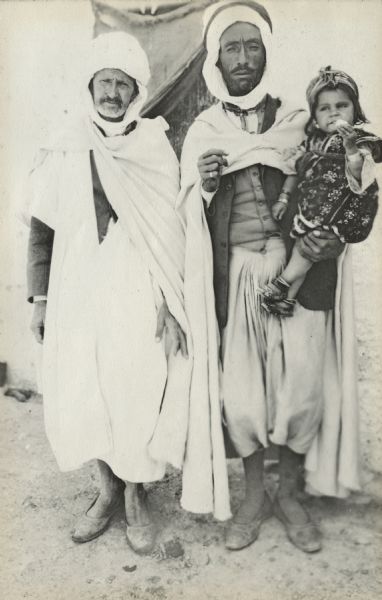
320	245
210	166
38	320
174	335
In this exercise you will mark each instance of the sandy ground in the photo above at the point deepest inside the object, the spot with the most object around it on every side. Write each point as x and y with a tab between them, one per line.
39	560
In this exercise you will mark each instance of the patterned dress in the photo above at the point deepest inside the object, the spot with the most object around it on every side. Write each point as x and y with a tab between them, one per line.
325	197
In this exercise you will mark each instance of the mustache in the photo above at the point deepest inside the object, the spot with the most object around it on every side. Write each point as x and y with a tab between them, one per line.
247	70
116	101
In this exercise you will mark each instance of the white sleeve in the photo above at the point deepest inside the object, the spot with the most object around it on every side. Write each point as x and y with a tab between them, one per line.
291	156
367	173
44	188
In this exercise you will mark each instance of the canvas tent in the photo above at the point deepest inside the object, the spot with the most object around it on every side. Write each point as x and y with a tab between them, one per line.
171	33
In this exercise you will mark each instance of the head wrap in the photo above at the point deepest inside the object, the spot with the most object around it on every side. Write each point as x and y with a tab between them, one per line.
217	18
329	78
117	50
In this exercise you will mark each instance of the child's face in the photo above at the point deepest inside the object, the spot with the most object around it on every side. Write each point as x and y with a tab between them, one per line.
331	106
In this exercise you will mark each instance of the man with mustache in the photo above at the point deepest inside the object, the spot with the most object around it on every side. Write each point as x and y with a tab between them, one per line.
233	171
105	273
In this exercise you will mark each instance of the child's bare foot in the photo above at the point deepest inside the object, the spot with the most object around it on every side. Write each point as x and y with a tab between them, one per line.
276	290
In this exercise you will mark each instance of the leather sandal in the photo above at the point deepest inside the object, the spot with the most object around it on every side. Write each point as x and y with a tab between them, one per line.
141	538
88	528
240	535
306	537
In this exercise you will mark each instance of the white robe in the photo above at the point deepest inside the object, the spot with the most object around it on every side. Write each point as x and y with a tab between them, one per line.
110	392
332	462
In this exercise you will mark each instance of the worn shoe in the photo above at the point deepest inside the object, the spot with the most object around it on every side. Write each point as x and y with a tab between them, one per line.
88	528
141	538
240	535
306	537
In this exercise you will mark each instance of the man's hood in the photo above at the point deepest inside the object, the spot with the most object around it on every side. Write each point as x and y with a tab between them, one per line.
117	50
217	18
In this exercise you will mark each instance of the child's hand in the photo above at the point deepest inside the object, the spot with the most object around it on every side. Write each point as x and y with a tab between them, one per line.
278	210
348	134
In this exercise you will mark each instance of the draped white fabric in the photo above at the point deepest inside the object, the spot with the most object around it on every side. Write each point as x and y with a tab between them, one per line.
139	174
332	462
116	50
211	72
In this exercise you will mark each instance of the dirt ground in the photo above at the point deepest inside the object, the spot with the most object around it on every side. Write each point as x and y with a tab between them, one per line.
39	560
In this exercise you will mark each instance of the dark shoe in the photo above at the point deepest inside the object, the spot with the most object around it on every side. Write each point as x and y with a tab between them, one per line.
305	537
240	535
88	528
141	538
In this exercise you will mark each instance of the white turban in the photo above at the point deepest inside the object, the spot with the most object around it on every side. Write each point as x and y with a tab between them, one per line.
217	18
117	50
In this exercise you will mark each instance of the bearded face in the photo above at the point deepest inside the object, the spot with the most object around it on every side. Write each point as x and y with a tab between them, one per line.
242	58
112	92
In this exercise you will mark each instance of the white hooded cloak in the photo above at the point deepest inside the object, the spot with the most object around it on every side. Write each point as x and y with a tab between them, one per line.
110	390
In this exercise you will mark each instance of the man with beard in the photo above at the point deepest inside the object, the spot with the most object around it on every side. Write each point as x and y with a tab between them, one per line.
105	273
233	171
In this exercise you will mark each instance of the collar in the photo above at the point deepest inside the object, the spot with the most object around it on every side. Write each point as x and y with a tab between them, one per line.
244	112
227	106
128	129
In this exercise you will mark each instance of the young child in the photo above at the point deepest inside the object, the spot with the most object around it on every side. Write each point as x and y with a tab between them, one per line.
335	186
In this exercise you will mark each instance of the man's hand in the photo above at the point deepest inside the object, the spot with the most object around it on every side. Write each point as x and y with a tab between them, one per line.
320	245
38	320
175	337
210	165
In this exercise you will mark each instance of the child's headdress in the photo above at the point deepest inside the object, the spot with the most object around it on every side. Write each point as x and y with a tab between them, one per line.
328	79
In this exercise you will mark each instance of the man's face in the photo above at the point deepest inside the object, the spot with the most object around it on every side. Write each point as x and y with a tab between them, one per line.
112	92
241	58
